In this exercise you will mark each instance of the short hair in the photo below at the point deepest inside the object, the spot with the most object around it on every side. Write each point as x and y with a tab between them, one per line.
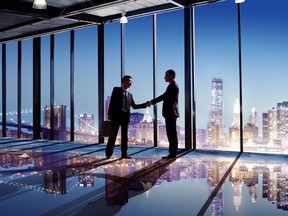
172	73
126	77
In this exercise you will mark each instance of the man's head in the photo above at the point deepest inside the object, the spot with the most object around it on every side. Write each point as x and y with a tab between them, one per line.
169	75
126	81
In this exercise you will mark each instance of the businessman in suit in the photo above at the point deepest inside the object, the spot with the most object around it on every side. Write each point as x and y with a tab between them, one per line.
170	111
119	113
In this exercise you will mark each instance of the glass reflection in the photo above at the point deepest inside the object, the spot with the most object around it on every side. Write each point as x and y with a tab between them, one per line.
205	183
264	178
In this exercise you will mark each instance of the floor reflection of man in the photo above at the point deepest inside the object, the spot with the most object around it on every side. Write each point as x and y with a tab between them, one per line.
120	186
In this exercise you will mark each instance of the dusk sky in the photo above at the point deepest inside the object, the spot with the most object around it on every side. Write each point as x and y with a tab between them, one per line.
264	60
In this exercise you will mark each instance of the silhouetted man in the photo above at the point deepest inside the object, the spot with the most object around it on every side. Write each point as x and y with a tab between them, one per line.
170	111
119	114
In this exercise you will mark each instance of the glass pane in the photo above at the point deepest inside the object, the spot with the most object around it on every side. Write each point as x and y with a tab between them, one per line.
11	77
62	86
86	85
27	89
217	82
139	65
170	55
265	76
45	86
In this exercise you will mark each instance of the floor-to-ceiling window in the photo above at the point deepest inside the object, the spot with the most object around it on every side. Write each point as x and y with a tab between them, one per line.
62	86
26	88
170	55
139	65
45	86
217	77
11	91
265	65
86	85
112	64
264	54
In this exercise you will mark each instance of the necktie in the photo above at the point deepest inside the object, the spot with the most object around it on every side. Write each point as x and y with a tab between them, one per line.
126	106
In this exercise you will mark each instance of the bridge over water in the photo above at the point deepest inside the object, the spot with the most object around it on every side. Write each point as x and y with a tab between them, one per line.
58	134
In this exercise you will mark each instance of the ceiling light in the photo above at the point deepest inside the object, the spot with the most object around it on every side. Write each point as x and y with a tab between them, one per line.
123	19
239	1
39	4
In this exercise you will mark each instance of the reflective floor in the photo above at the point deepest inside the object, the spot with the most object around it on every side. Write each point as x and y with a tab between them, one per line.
40	177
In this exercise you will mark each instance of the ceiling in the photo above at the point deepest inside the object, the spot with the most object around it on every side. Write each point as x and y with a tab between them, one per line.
18	20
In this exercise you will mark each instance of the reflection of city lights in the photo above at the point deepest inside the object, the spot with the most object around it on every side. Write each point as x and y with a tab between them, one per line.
25	155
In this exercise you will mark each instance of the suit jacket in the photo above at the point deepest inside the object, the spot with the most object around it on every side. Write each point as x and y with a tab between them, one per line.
170	100
116	103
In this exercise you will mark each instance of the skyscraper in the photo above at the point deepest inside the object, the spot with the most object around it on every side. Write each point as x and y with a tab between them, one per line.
236	114
86	123
253	117
282	121
265	127
216	136
59	117
216	106
234	130
250	130
272	125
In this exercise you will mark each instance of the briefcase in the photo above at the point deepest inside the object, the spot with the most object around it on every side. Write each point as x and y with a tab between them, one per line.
106	129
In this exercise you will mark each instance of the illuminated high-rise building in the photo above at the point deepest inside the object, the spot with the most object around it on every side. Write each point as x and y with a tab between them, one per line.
215	124
253	117
265	127
234	130
250	130
86	123
282	123
236	114
272	124
213	134
59	117
216	106
201	136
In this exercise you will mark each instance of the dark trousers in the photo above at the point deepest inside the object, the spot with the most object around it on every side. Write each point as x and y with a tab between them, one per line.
171	131
122	121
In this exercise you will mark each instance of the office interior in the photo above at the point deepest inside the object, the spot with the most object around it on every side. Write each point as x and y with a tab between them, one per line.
59	65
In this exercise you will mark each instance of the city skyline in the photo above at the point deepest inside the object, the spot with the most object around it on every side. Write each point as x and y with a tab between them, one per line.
216	135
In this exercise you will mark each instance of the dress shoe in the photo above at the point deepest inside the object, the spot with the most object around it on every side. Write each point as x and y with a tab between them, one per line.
169	156
125	156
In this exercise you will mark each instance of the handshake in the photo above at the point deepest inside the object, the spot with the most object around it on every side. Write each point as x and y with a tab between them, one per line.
148	103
